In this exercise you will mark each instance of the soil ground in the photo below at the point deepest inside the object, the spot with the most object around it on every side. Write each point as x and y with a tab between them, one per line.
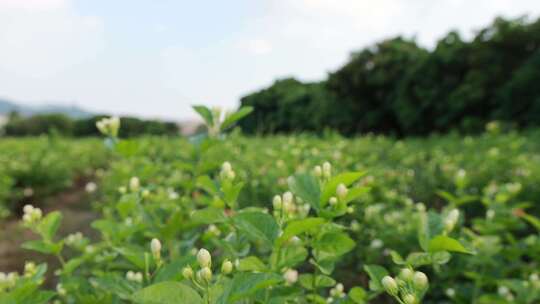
74	203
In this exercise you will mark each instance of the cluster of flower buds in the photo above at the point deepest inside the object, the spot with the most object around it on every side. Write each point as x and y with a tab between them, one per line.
31	215
290	275
336	292
451	220
8	280
227	172
75	240
339	201
30	269
286	208
409	287
204	274
324	171
134	276
109	126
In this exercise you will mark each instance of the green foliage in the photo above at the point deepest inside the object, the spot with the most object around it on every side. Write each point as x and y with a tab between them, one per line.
396	87
277	227
83	127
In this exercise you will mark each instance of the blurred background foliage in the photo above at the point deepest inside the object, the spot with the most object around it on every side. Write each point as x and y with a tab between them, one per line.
397	87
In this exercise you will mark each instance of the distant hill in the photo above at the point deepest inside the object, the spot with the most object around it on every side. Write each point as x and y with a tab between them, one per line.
7	106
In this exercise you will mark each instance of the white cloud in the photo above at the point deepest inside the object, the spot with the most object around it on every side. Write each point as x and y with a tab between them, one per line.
259	46
41	38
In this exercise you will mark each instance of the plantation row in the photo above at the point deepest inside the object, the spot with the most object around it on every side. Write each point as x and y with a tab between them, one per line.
230	219
34	168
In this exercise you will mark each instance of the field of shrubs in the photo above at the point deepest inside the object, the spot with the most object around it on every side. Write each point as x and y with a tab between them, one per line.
223	218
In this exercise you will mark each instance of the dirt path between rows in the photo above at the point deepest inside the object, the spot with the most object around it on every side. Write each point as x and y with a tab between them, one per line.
74	203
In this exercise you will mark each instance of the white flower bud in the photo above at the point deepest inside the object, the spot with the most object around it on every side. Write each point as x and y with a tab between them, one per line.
204	258
134	184
327	169
226	267
342	191
205	274
291	276
90	187
288	198
226	166
27	209
406	274
390	285
155	246
277	203
27	218
37	214
61	290
317	171
333	201
187	272
355	225
420	280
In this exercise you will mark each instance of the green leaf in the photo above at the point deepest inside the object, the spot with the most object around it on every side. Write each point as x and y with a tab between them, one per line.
332	245
206	183
115	284
306	187
231	192
245	284
208	216
49	225
356	193
205	113
134	254
534	221
430	225
396	258
43	246
376	274
297	227
173	271
445	243
257	226
290	256
347	179
234	117
251	263
167	293
307	280
416	259
358	295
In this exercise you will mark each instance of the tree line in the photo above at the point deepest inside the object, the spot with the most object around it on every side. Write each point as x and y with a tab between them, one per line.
64	125
398	87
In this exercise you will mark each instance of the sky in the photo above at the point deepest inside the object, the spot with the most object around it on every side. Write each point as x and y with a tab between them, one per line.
156	58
